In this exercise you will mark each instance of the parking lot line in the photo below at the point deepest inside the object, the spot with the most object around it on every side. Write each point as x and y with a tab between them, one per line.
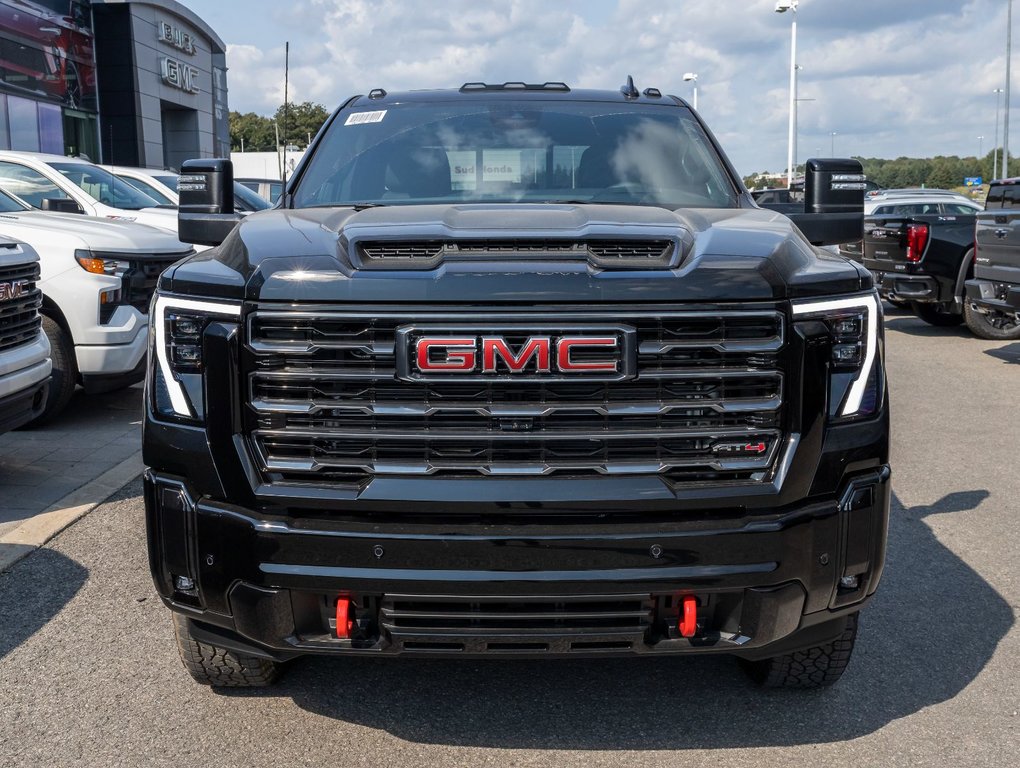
38	530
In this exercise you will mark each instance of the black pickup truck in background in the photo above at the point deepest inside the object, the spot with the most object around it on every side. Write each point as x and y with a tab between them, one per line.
993	296
919	246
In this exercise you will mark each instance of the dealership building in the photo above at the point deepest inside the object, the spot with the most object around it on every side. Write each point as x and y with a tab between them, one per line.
127	82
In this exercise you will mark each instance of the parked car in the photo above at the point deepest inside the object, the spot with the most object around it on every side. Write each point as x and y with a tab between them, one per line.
73	185
909	202
993	295
162	186
268	189
24	349
919	246
97	277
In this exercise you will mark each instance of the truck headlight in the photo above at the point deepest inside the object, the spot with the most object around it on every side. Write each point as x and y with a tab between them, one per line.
177	325
853	327
101	266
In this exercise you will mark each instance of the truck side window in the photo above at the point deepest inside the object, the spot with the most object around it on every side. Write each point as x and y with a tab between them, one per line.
994	199
31	186
1011	197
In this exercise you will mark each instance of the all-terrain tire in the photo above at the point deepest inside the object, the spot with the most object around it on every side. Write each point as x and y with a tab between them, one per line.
219	667
64	378
814	667
999	328
933	315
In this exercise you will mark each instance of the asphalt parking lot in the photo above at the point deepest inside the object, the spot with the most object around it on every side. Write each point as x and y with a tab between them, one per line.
89	673
40	466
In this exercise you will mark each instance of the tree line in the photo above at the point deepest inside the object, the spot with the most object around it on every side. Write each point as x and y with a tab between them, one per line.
295	125
941	172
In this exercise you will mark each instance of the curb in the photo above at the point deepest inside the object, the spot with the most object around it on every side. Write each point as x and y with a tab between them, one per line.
36	531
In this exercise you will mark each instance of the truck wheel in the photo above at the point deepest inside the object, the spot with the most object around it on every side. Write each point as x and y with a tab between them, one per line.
996	327
64	378
219	667
811	668
933	314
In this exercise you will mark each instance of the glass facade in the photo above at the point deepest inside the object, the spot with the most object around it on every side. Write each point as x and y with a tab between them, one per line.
48	77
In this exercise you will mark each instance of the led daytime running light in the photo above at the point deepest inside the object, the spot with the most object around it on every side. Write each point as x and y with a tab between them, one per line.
870	305
178	400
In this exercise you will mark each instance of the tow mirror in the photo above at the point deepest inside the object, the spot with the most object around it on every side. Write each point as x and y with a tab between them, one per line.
205	213
833	201
60	205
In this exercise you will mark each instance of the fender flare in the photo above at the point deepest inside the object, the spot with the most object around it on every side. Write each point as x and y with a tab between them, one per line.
966	270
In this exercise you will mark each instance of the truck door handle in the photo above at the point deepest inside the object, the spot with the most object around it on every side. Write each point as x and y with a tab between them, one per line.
1001	233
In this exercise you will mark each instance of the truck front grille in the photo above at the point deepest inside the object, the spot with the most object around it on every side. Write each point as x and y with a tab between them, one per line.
325	404
19	307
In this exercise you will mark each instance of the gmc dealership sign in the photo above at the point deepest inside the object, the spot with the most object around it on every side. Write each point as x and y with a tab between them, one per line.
179	75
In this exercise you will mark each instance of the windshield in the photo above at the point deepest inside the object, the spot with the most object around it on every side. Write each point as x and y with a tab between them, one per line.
148	189
168	181
246	200
9	205
560	151
104	186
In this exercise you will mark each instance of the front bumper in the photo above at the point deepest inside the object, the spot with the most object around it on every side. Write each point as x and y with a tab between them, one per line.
117	349
20	408
765	583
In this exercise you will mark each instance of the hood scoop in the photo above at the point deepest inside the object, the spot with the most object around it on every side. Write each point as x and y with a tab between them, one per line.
602	253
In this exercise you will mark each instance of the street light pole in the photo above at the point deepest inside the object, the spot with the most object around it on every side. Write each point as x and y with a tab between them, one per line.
693	77
981	145
995	153
1005	119
832	148
782	6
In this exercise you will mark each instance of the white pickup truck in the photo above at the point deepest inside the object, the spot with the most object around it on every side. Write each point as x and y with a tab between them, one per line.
73	185
97	277
24	349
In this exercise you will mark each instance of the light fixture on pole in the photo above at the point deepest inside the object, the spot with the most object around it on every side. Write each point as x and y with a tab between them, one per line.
995	154
782	6
692	77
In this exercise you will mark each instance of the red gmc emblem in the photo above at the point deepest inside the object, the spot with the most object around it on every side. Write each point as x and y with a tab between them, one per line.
599	354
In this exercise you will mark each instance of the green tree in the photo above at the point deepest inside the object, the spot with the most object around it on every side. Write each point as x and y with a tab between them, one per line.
302	122
254	133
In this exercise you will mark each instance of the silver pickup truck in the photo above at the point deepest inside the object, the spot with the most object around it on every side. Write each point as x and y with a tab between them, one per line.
994	293
24	350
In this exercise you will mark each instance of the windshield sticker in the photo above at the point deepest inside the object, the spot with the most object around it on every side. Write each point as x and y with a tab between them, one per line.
363	118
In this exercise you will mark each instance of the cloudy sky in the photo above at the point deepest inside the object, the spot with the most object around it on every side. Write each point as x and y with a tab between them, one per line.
890	77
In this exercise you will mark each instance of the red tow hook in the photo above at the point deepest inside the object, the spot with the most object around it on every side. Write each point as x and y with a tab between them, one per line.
344	618
688	616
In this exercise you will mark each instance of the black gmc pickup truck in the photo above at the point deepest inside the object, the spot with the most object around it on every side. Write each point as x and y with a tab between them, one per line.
516	370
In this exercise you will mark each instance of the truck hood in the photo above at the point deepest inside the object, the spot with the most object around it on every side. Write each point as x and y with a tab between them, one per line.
93	233
744	254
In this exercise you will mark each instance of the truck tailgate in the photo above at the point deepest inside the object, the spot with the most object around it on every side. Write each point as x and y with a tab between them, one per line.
998	245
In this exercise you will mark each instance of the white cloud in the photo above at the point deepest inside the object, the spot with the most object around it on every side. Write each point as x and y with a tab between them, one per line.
913	77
